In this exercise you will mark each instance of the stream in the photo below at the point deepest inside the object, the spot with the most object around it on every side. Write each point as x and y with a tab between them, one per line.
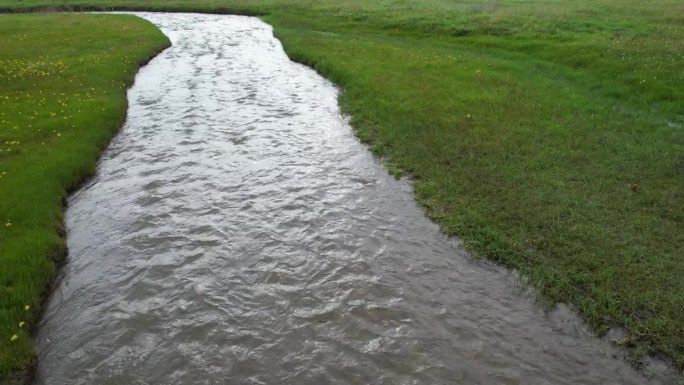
237	232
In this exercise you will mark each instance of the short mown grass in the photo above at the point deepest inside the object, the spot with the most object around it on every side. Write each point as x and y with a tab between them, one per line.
548	135
63	81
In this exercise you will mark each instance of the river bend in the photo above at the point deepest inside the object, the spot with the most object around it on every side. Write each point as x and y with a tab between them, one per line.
237	232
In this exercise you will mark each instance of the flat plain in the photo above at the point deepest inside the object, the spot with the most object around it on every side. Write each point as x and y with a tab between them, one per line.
547	135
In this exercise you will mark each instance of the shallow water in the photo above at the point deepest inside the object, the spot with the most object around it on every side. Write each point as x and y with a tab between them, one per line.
238	233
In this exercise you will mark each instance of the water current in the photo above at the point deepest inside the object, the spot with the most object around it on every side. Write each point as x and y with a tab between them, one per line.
237	232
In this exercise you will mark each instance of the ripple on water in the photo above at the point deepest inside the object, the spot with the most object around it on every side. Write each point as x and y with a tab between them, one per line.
238	233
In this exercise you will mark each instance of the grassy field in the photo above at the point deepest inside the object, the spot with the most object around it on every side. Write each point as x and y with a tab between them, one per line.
62	97
548	135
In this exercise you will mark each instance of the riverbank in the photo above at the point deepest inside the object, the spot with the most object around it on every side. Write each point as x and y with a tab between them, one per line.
63	81
547	154
549	138
553	150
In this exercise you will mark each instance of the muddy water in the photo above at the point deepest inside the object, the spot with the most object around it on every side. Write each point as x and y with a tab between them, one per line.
238	233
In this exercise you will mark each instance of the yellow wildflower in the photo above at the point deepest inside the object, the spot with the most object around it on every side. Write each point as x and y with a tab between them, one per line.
22	324
27	307
14	338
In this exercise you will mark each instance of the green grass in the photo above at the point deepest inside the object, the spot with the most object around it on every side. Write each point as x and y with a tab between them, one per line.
548	135
63	80
571	177
550	146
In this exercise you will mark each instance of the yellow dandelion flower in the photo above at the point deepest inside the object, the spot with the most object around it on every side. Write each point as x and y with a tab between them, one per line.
22	324
27	307
14	338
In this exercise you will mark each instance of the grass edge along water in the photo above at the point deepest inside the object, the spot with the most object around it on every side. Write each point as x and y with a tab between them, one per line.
547	135
63	82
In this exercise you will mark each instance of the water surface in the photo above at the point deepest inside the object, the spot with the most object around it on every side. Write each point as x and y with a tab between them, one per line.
238	233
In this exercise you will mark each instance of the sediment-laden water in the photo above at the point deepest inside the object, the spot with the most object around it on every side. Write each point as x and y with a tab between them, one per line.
238	233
